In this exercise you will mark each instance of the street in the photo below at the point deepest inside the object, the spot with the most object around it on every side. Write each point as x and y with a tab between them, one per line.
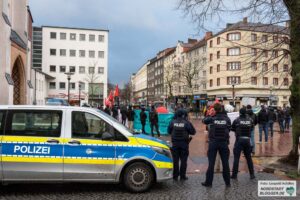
243	188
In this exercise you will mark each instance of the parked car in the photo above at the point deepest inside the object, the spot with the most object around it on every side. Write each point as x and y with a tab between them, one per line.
57	102
67	144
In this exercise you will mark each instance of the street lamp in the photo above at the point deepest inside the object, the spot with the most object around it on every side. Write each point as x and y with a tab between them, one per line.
270	98
233	93
69	74
80	84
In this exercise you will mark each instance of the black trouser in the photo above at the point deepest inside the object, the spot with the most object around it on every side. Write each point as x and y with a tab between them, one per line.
213	148
242	144
123	121
156	128
143	127
180	151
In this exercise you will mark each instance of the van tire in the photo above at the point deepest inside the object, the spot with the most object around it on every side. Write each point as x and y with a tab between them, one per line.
138	177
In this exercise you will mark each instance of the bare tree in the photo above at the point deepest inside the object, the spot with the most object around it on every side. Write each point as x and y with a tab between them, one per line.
92	79
269	12
170	79
126	93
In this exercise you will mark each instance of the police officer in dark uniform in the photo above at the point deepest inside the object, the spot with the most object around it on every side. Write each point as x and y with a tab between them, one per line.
219	127
180	130
242	127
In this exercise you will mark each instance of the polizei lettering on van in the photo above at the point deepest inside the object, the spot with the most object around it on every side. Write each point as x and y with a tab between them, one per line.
31	149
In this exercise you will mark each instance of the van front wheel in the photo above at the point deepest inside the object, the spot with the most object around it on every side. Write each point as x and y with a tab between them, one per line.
138	177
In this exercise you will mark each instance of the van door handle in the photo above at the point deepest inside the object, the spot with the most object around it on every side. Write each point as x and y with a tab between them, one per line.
53	141
74	142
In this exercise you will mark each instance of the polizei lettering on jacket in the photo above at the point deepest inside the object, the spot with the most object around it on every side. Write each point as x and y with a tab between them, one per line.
245	122
31	149
220	122
179	125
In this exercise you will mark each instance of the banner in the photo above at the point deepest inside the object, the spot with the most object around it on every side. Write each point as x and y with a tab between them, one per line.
163	122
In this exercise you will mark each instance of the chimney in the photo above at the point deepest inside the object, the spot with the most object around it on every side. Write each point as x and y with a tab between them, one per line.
208	35
192	41
245	20
228	25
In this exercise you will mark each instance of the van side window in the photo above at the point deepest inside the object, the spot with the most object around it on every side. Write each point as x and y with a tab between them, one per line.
88	126
34	123
2	118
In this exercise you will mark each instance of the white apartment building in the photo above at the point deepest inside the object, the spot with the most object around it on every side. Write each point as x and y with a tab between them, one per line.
82	52
139	85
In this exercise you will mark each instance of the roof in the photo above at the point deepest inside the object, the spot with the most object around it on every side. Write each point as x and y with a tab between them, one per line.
46	75
76	28
199	44
28	9
6	19
14	37
255	27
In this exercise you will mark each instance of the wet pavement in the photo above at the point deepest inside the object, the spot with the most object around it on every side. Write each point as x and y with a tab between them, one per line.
278	146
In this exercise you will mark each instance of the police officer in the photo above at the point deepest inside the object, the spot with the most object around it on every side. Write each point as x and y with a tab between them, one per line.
242	126
219	127
180	130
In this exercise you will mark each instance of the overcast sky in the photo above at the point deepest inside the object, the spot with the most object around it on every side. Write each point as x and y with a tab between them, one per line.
138	28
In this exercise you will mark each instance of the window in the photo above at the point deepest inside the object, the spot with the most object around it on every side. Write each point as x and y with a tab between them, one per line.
233	51
210	83
210	57
254	66
72	69
91	70
82	86
81	53
285	68
210	69
211	43
52	68
35	123
275	81
62	52
233	80
2	118
265	53
72	36
81	69
275	67
92	54
62	69
265	67
264	38
233	65
100	38
218	54
204	86
274	53
92	38
72	86
218	40
81	37
52	85
265	80
100	54
275	38
233	36
253	37
253	51
204	73
88	126
72	53
52	52
253	80
218	68
100	70
63	36
62	85
52	35
218	81
286	82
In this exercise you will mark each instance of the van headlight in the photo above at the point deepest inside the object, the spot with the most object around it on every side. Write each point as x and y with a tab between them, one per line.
165	152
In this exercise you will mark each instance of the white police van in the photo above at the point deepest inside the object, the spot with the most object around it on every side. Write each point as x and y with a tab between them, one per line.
65	144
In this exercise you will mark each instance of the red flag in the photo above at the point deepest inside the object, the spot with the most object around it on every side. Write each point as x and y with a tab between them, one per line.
111	97
116	91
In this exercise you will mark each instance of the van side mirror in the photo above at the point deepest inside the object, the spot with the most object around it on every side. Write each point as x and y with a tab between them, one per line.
107	136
